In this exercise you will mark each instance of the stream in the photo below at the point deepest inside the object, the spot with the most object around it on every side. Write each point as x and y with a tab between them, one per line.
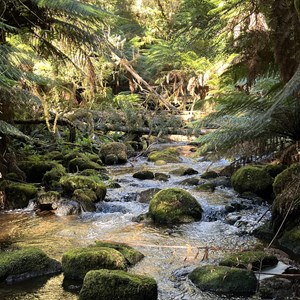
170	253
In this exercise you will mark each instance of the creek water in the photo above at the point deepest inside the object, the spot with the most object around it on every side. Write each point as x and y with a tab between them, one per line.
170	253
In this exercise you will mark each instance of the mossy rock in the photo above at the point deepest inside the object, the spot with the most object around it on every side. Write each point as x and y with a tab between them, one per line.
209	175
169	155
26	263
183	171
116	284
86	198
161	176
224	280
51	178
77	262
254	259
12	177
174	206
252	179
131	255
18	194
55	155
71	183
190	181
286	206
274	169
46	200
283	179
115	148
102	173
36	167
79	164
205	187
146	195
290	240
111	159
143	175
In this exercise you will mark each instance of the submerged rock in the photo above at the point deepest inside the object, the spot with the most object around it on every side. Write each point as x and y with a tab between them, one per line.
115	284
146	195
224	280
173	206
183	171
249	260
209	175
26	263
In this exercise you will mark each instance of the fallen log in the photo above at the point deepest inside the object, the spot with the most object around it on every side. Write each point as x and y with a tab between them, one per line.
61	122
154	131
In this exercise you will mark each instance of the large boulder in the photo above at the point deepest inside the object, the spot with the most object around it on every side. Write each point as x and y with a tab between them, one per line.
116	284
252	179
249	260
174	206
286	203
290	240
224	280
18	194
77	262
119	150
26	263
72	183
35	167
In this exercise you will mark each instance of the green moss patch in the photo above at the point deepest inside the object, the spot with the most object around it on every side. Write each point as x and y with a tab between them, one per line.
131	255
250	259
252	179
18	194
291	240
112	284
26	263
51	178
173	206
79	164
169	155
71	183
224	280
77	262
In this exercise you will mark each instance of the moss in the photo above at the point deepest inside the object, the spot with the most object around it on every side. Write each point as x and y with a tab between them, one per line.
252	179
115	148
131	255
18	194
52	177
77	262
220	279
112	284
284	178
12	176
161	177
86	198
205	187
102	173
79	164
172	206
209	175
257	260
26	263
55	155
46	199
291	241
169	155
143	175
35	167
274	169
71	183
183	171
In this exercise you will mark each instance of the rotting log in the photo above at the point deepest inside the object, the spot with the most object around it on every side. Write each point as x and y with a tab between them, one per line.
61	122
154	131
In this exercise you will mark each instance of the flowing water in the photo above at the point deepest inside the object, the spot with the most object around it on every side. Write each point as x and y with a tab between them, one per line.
170	253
